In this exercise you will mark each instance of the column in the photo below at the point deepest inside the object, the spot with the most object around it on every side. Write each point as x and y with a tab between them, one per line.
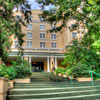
29	60
55	62
68	32
30	64
48	64
0	61
22	58
80	30
26	58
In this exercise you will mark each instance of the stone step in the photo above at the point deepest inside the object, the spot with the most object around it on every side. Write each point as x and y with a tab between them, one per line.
51	90
56	84
50	86
54	94
81	97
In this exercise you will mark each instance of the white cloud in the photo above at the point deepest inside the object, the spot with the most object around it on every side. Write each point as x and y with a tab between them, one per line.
33	4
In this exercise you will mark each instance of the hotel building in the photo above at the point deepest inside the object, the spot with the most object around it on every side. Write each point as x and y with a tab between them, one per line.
42	49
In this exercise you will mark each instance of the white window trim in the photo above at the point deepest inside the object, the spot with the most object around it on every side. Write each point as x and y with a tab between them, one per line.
52	45
42	35
28	28
30	37
42	44
53	36
29	45
76	34
44	27
16	45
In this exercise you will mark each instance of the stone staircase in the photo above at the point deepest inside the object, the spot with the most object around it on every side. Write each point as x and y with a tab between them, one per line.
41	88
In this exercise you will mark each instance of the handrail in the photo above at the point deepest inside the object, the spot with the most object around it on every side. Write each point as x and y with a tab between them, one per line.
95	73
71	79
92	72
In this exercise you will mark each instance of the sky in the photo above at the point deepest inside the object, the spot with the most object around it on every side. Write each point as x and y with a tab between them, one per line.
35	5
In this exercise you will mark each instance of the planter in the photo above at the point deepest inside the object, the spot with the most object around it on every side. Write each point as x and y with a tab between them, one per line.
3	88
59	74
25	80
11	83
82	79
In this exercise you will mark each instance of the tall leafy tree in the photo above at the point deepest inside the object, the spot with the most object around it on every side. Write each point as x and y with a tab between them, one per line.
85	12
9	25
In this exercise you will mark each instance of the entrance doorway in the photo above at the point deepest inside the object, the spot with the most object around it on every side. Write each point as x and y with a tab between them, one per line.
37	66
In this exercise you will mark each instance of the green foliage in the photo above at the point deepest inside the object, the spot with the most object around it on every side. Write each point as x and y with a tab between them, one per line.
19	69
10	26
56	78
87	13
7	72
80	58
19	62
60	70
80	70
22	68
22	71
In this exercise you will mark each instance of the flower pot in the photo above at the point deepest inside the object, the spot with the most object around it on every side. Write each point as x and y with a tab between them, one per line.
3	88
11	83
20	80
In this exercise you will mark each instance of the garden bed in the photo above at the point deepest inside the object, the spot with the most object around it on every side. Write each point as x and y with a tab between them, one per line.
20	80
82	79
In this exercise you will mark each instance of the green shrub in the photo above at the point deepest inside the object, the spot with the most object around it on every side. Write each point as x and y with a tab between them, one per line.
22	71
3	70
56	78
80	70
7	72
22	68
60	70
11	73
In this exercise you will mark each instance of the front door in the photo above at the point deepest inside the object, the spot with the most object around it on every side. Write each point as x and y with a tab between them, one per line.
37	66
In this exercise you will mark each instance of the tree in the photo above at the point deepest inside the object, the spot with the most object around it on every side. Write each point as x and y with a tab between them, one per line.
9	25
79	57
87	12
84	11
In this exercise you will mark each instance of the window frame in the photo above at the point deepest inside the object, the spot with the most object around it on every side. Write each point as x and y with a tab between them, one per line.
73	35
42	44
42	27
53	45
29	46
16	44
29	35
42	35
53	35
30	27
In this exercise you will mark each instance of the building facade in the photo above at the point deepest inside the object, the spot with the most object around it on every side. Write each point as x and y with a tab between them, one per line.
42	49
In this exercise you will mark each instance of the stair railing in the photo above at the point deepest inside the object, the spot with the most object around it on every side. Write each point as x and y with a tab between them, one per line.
92	72
71	79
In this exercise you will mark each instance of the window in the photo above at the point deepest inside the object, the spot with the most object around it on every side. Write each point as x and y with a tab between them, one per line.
29	26
54	45
42	35
41	19
73	26
74	34
16	44
29	35
42	44
53	26
42	27
30	17
29	43
18	17
53	36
